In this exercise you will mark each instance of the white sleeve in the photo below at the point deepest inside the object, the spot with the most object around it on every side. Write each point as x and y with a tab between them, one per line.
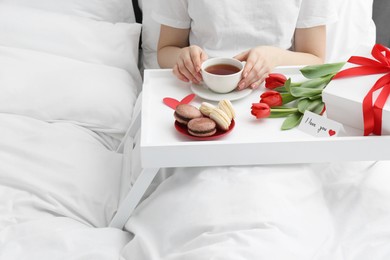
172	13
316	12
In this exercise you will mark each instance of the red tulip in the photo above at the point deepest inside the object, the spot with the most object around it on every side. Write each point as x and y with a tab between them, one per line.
272	98
260	110
275	80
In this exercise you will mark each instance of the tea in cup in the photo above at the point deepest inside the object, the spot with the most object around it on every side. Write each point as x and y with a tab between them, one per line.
222	75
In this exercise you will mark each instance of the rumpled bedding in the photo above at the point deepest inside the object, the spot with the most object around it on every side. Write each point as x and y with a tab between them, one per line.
61	238
337	211
233	213
68	85
55	169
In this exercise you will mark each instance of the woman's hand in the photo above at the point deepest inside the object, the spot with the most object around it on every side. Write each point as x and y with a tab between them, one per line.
260	61
174	51
187	67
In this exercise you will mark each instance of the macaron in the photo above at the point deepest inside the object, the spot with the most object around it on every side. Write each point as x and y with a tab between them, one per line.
206	108
219	116
227	107
202	127
185	112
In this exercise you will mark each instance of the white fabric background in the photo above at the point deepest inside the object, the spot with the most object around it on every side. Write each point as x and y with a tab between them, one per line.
353	29
354	33
228	31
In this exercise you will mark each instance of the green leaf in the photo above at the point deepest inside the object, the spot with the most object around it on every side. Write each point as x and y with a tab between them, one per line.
314	104
303	104
315	97
308	104
292	121
317	71
287	85
318	109
315	83
305	92
287	98
281	89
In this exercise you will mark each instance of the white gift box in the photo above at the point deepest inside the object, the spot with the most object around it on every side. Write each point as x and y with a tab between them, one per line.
343	98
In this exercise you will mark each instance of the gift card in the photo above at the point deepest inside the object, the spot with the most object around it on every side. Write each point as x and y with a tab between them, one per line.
320	126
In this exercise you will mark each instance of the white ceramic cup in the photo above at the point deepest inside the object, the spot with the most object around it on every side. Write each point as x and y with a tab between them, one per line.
221	83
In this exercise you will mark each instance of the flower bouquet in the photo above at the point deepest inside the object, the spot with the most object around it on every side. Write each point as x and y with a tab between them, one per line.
284	98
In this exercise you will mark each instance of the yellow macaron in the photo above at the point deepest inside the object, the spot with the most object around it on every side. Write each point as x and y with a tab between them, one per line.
206	108
221	118
227	107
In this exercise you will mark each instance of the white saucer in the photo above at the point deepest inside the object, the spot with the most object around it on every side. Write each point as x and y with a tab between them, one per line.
202	91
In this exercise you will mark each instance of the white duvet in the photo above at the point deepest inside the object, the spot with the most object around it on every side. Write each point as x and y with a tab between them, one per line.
68	85
61	239
55	169
337	211
60	177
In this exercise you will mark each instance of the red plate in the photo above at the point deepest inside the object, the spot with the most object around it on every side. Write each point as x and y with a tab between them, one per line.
184	131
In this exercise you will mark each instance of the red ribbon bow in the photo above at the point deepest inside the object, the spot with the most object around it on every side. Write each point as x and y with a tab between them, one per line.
372	113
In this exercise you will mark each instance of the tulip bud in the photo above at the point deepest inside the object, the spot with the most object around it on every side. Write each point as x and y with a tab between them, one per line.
260	110
272	98
275	80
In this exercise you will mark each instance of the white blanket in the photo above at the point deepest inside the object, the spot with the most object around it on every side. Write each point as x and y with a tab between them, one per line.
68	85
55	169
337	211
265	212
61	239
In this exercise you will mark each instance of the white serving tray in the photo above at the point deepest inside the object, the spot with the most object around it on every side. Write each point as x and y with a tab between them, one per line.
252	141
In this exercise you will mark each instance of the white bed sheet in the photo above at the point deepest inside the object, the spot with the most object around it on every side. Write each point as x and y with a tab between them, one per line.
335	211
60	239
357	195
233	213
56	169
59	188
68	84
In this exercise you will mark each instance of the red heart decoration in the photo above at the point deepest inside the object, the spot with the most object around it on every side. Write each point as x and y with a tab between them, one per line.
173	103
331	132
187	99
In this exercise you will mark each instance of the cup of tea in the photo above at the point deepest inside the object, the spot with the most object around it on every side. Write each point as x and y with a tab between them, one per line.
222	75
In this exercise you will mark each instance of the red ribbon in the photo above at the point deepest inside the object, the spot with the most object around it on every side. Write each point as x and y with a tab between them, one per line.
372	113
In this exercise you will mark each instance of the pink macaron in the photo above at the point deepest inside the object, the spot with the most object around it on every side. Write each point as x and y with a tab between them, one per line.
202	127
185	112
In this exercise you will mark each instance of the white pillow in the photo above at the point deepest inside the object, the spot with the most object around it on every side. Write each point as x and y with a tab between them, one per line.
54	88
150	34
102	10
353	33
70	36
